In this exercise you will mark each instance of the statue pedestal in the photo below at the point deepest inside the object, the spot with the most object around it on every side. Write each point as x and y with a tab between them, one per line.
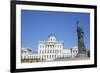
82	55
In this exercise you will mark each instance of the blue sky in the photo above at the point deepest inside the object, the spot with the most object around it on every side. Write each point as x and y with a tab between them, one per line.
38	25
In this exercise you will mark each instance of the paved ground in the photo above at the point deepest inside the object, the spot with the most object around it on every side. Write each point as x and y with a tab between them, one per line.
63	59
70	59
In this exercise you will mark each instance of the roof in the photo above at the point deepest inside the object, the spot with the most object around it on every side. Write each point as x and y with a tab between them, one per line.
51	35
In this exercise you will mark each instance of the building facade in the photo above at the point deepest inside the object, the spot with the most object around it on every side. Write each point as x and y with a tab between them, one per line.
49	50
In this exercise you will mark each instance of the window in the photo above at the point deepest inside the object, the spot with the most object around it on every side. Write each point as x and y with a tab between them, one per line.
57	51
24	57
59	46
42	51
40	46
25	52
57	56
60	51
48	46
51	39
47	56
50	56
47	51
53	51
50	51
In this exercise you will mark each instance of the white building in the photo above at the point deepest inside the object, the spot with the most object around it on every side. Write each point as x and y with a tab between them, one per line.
51	50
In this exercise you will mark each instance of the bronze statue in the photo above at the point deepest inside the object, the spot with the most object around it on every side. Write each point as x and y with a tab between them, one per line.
80	34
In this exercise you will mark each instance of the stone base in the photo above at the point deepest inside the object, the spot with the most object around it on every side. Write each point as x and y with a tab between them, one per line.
83	55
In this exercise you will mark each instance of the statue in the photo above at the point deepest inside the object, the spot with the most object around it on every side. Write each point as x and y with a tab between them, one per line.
80	34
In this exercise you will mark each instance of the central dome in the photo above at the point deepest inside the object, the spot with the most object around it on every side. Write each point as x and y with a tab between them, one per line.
51	38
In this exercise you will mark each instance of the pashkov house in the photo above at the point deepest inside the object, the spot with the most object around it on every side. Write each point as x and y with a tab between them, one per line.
51	49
